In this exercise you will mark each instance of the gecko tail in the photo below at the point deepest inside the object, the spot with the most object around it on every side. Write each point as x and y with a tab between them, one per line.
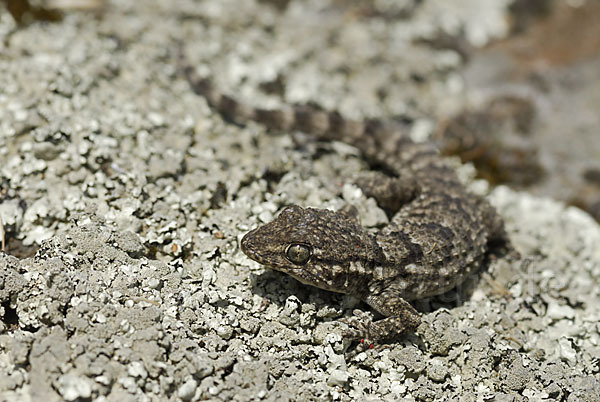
326	125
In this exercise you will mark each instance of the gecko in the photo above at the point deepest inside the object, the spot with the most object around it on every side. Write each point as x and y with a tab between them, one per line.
438	232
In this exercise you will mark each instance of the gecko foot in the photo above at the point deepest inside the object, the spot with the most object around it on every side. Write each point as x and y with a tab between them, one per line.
360	327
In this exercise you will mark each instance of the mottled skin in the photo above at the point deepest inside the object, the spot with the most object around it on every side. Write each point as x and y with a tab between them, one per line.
437	236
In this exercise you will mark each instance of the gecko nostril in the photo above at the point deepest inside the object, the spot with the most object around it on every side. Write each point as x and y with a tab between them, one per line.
244	244
248	247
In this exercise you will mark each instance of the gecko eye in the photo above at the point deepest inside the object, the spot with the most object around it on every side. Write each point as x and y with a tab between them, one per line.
299	254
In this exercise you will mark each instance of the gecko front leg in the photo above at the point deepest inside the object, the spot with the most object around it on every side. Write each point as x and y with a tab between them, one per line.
401	317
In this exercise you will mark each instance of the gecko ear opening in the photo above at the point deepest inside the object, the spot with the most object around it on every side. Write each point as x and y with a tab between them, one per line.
298	254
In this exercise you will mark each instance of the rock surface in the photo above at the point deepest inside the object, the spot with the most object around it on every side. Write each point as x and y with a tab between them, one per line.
123	198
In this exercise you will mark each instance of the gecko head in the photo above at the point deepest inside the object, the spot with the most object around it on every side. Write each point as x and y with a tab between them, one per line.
315	246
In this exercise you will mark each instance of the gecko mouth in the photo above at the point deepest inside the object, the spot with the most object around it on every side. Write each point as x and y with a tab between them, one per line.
246	245
249	247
